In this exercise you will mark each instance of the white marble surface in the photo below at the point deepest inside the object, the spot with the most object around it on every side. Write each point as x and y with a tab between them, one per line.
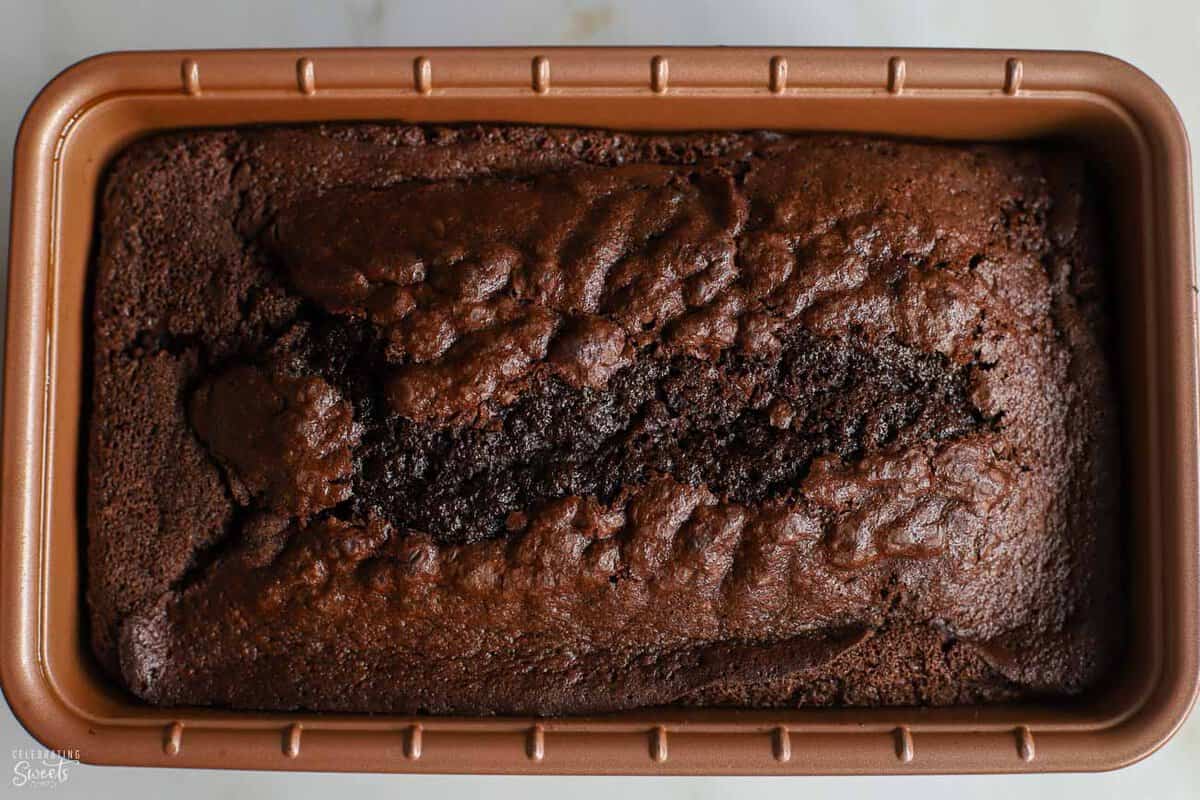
38	39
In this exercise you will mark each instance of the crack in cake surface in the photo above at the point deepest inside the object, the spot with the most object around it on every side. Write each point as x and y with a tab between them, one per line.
746	427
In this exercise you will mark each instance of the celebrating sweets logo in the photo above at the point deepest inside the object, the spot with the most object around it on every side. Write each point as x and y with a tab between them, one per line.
36	768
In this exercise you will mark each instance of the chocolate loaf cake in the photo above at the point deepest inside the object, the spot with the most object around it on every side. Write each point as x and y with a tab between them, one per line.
506	419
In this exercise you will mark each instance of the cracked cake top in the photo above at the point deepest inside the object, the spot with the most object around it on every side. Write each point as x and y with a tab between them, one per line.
522	420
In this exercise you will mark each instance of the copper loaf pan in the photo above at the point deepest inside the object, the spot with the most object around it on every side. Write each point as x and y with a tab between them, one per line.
1114	112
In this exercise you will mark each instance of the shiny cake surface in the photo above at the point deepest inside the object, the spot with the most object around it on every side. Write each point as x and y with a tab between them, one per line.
503	419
